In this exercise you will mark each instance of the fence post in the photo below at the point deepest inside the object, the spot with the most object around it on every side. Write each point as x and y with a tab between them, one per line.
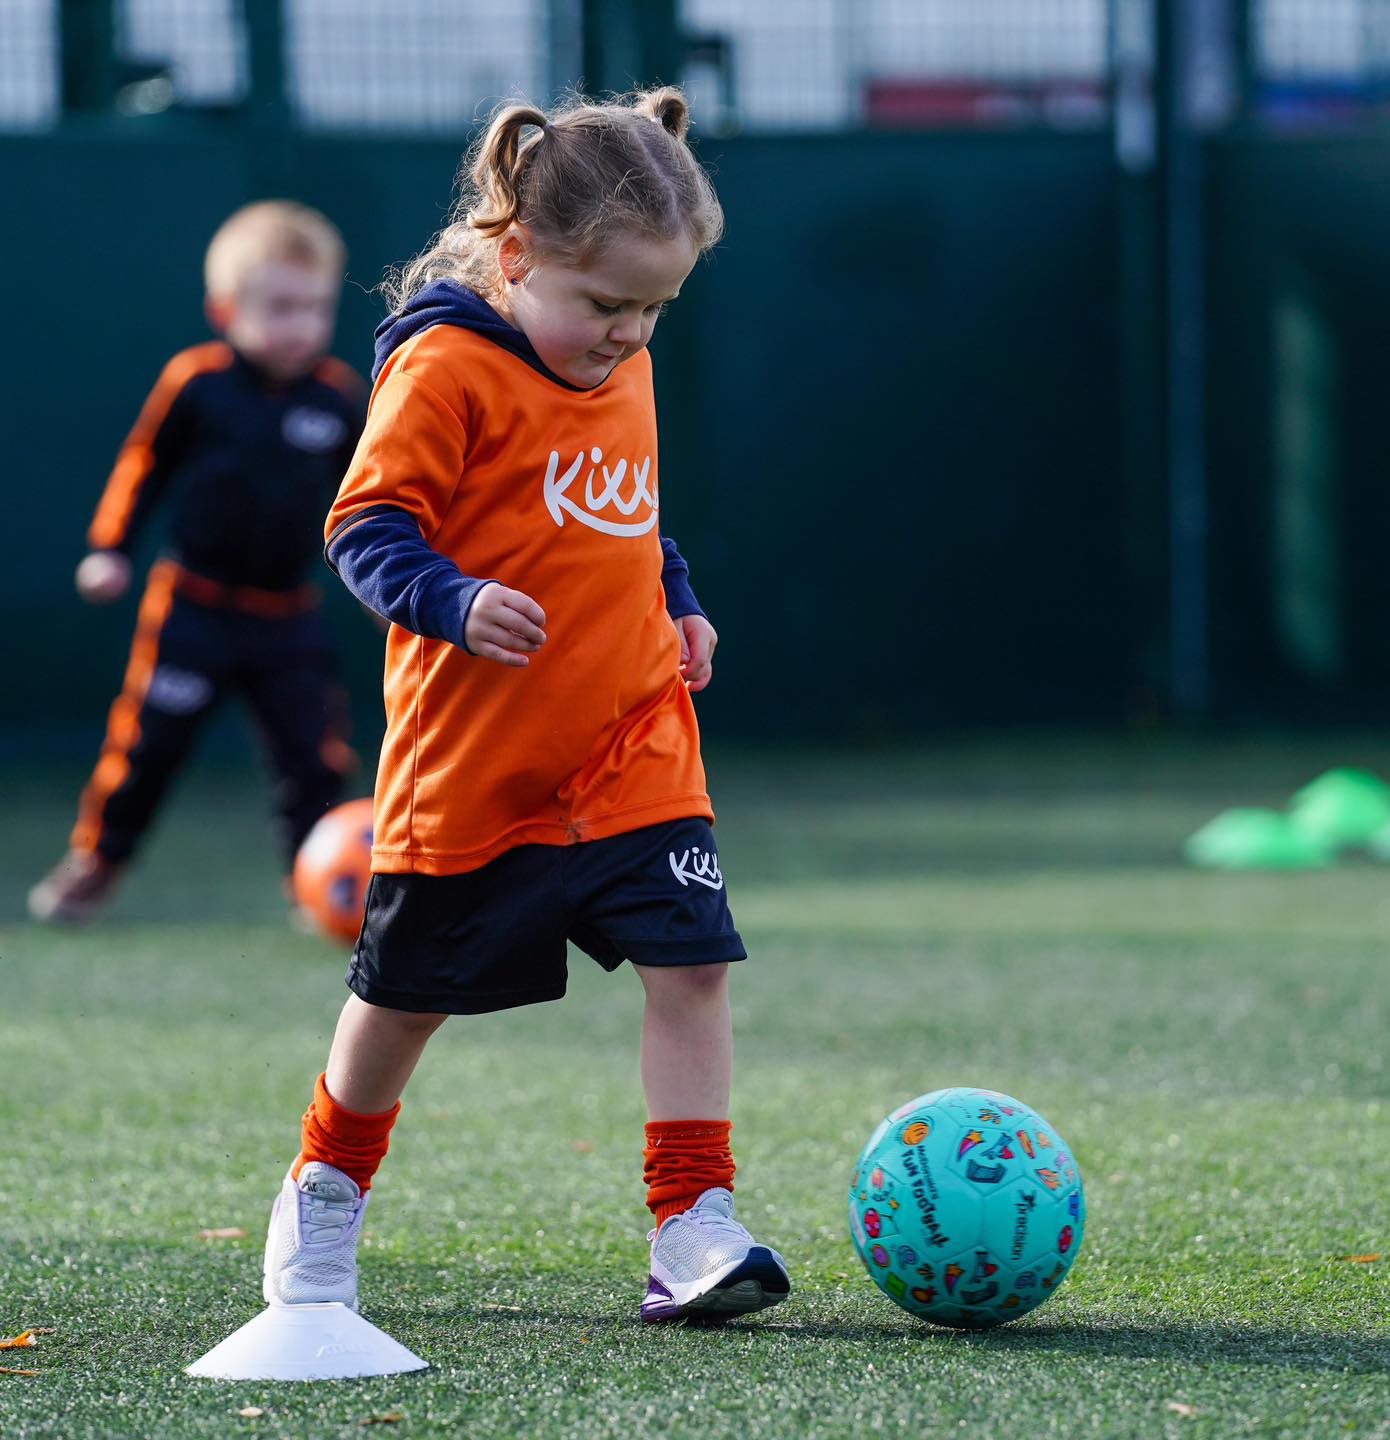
1182	166
265	48
627	43
88	29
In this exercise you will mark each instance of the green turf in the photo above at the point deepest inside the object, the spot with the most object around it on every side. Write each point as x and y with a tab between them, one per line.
1213	1047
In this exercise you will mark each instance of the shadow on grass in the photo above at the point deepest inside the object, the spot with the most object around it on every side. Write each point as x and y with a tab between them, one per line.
1194	1343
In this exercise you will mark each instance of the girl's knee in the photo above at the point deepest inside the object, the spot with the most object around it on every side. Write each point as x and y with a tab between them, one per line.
400	1022
685	982
416	1023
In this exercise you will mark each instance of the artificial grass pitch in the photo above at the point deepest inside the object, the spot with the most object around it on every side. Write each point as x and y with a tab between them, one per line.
1213	1046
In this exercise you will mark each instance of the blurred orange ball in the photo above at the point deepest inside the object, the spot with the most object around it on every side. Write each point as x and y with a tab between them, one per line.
333	867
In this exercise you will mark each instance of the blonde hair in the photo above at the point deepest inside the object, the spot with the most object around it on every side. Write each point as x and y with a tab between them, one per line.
586	172
282	230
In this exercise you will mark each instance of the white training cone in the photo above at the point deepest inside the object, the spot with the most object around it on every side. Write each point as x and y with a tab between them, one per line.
305	1342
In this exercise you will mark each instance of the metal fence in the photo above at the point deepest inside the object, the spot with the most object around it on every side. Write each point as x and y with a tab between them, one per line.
199	44
29	84
824	64
1330	39
821	65
410	64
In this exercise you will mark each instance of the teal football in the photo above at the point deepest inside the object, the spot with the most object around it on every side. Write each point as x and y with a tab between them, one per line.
966	1208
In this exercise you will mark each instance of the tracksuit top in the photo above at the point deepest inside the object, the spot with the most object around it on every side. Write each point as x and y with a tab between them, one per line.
247	464
476	461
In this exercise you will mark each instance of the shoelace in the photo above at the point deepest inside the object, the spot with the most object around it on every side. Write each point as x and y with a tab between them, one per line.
323	1220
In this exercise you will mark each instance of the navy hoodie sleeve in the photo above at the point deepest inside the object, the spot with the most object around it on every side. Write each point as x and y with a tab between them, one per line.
675	580
381	556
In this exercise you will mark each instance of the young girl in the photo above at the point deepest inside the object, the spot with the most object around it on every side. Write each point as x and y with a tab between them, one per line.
540	779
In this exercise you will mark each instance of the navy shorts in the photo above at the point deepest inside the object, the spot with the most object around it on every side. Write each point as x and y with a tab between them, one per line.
495	938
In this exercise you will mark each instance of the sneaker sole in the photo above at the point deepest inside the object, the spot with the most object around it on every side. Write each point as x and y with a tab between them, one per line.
757	1282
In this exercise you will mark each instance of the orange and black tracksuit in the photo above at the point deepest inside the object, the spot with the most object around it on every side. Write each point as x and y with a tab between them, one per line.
245	467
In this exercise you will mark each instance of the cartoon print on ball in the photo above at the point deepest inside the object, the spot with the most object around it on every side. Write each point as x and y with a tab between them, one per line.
983	1286
984	1174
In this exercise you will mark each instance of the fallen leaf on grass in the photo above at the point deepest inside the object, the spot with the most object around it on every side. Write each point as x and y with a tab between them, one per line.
581	1147
390	1419
10	1370
1362	1259
1178	1408
229	1232
251	1411
20	1342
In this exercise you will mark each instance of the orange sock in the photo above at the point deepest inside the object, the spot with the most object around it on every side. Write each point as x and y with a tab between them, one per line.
355	1144
684	1158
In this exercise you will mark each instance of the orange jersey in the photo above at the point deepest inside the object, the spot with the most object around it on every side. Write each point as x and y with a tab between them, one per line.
551	491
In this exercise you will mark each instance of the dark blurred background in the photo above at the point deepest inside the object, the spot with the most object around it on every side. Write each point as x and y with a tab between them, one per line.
1038	380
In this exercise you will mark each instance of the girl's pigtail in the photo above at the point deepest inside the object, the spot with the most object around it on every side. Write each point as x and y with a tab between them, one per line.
667	106
498	168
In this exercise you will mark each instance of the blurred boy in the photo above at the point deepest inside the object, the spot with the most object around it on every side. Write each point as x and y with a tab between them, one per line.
248	437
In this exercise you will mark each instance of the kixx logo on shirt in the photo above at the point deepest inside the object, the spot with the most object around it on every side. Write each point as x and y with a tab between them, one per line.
701	866
600	495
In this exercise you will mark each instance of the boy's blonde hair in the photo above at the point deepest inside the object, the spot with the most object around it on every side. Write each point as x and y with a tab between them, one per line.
282	230
585	173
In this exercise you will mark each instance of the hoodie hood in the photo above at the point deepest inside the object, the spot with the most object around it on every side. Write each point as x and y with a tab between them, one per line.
445	302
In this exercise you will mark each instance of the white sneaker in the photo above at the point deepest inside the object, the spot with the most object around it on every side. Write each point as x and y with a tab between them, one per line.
706	1266
311	1246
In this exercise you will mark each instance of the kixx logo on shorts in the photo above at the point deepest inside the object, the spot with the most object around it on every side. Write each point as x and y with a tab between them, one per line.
559	503
701	866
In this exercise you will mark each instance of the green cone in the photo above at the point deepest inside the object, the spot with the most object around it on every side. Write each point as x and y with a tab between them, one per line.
1342	807
1256	840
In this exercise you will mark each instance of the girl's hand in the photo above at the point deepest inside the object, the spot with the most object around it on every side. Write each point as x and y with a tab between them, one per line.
504	625
103	576
697	651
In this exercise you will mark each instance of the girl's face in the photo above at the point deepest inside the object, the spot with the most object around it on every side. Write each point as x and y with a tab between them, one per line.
585	320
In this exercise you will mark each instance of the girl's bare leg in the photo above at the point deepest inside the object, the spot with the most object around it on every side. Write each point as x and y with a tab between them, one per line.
687	1041
374	1052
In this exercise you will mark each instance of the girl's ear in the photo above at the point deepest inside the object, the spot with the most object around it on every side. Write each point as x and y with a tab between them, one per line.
514	255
